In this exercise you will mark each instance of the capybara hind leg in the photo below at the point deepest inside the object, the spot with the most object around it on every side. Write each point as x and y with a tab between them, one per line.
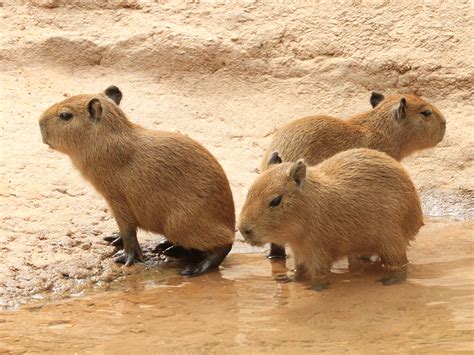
396	269
179	252
115	240
320	276
356	263
162	246
131	249
276	252
212	260
300	272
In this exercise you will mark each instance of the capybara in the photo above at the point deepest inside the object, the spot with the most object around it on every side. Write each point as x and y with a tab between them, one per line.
158	181
397	125
359	201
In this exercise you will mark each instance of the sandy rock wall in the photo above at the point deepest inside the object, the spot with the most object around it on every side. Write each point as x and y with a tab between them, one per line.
418	46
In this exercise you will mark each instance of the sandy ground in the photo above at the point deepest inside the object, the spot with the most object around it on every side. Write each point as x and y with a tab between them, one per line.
226	74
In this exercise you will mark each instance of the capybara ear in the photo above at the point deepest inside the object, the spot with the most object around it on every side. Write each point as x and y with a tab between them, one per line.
95	109
274	159
401	109
298	172
376	98
114	93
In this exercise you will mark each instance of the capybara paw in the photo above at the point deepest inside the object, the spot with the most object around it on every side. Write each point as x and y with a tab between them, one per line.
115	240
276	252
283	278
161	247
320	286
178	252
212	259
128	259
193	270
387	281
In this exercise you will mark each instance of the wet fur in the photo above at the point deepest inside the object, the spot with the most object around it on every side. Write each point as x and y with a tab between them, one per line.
359	201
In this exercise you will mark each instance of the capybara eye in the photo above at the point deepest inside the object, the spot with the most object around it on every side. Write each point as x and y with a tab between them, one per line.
66	116
275	202
427	113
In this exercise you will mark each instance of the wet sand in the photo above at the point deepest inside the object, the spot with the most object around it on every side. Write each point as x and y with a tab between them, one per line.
241	308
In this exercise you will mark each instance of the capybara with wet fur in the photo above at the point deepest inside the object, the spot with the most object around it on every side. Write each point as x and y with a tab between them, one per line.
158	181
359	201
397	125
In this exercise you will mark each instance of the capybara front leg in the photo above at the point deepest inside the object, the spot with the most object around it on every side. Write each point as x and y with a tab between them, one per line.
276	252
131	249
212	260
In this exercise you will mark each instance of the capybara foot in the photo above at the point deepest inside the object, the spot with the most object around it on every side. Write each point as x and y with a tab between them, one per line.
283	278
212	260
161	247
115	240
387	281
395	276
127	258
319	286
276	252
178	252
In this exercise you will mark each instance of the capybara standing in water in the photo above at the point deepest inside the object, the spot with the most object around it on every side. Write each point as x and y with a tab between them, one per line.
397	125
159	181
359	201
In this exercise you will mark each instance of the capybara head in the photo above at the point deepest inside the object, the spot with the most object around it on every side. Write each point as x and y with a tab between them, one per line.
78	121
417	123
271	209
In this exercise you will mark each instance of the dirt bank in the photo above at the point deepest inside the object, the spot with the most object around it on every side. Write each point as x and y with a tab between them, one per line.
226	74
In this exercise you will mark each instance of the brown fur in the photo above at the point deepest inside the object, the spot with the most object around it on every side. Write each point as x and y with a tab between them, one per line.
316	138
159	181
359	201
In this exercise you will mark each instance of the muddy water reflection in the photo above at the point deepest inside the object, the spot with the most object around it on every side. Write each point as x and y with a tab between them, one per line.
241	308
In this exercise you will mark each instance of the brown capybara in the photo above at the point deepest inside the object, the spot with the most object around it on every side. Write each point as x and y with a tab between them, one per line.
158	181
397	125
359	201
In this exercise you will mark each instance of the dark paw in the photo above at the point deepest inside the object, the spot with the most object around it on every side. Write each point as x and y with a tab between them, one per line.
387	281
115	240
194	270
212	259
161	247
129	258
276	252
283	278
320	286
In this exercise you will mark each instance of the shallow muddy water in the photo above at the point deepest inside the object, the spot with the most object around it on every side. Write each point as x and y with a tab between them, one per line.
242	308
